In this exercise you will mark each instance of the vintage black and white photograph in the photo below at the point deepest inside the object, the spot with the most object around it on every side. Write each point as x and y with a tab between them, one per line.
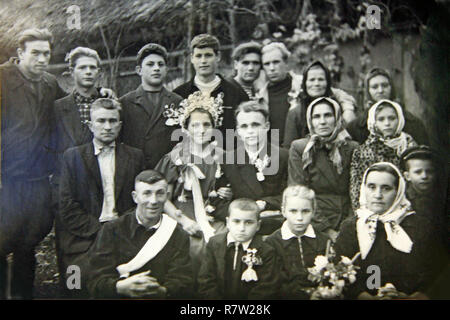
224	150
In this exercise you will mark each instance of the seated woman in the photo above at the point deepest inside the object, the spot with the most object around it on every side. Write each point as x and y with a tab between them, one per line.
315	82
322	163
386	142
387	234
378	85
191	169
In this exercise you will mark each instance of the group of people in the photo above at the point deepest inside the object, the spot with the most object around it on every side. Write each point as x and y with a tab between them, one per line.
221	189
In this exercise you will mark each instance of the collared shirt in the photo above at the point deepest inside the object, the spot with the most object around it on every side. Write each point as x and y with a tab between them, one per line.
252	156
155	226
287	234
84	105
230	240
106	157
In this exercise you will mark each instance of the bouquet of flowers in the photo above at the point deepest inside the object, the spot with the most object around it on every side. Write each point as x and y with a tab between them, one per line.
331	277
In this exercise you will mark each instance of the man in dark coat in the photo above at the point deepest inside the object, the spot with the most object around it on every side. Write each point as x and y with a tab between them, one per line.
205	58
96	184
258	170
27	96
143	254
144	123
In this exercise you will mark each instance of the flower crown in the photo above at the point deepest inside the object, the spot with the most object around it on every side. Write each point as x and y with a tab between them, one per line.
197	100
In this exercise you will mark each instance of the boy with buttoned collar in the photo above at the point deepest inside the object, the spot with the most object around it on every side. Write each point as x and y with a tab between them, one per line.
238	264
296	243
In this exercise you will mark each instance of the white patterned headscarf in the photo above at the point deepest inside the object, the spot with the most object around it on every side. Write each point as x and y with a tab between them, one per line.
367	220
399	141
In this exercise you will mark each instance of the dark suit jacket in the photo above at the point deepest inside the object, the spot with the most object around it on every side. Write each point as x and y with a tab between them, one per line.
233	96
119	241
244	184
81	193
144	124
69	131
212	278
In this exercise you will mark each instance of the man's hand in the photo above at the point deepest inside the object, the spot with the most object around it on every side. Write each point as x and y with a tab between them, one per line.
225	193
107	93
191	227
141	285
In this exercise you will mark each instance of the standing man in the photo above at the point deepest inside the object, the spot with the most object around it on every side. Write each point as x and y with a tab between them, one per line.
205	57
247	64
275	63
144	125
27	97
96	184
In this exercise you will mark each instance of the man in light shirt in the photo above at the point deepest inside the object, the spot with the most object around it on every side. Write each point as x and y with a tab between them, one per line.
96	184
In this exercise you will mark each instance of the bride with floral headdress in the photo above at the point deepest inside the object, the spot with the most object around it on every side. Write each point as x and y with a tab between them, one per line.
192	168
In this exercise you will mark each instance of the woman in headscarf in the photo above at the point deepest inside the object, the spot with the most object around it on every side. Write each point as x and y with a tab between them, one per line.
386	142
387	240
315	83
193	171
322	162
378	85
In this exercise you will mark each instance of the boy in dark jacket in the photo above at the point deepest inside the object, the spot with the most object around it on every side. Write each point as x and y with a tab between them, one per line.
238	264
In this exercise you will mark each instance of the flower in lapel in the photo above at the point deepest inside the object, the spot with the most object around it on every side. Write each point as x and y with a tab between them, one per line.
250	259
260	166
172	114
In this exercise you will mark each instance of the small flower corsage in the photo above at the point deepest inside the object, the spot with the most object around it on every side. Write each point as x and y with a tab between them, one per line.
250	259
260	166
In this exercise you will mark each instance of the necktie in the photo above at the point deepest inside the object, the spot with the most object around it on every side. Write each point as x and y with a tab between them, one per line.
236	252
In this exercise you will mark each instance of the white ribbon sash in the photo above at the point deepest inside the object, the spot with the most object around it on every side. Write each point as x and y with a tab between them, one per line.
152	247
199	206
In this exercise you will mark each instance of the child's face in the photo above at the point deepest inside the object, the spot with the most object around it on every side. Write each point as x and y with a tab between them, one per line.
298	213
386	121
242	224
421	174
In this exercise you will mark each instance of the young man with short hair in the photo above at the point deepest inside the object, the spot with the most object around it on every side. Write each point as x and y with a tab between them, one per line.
247	65
144	125
27	96
96	182
143	254
205	57
259	169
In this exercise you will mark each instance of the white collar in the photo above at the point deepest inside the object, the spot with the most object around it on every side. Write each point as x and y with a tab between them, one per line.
254	155
210	86
98	146
155	226
231	239
287	234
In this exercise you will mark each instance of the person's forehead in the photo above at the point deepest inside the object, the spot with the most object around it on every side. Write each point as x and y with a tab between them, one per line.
316	71
199	116
251	56
272	54
105	114
85	60
297	202
153	57
322	108
160	185
38	45
378	78
380	177
238	214
244	117
414	163
385	110
203	50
